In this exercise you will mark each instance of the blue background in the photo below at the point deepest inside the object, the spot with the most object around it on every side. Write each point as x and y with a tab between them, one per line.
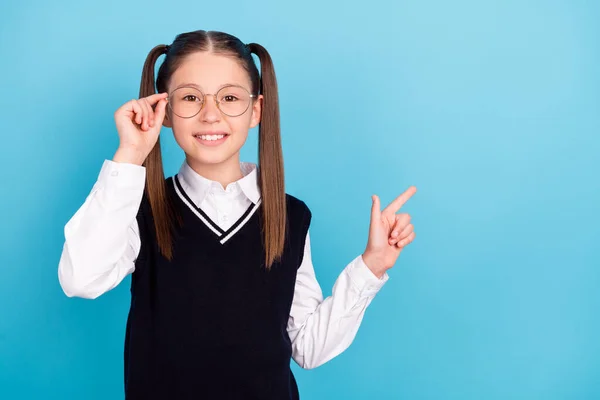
491	108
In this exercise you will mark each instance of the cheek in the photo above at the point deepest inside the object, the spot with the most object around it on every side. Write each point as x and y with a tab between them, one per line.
239	125
181	128
182	132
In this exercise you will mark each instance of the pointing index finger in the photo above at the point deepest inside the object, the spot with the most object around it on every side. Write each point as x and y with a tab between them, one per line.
400	200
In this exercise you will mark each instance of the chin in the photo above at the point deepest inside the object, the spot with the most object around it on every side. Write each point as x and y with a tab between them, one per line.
209	158
210	155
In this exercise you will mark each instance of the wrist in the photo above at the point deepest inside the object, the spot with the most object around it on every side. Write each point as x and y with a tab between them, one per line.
129	155
374	264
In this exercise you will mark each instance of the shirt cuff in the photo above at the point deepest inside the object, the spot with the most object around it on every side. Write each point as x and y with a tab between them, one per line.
363	279
122	175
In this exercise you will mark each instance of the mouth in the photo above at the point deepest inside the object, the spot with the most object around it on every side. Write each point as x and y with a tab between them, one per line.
211	138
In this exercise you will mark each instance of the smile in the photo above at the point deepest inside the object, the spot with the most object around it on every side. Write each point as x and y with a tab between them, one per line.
211	139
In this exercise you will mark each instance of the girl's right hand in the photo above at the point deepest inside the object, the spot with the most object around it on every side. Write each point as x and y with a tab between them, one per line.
138	124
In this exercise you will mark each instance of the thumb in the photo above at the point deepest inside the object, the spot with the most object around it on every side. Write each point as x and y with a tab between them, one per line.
375	209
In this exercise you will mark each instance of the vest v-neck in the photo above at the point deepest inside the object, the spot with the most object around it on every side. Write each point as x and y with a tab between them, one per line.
222	235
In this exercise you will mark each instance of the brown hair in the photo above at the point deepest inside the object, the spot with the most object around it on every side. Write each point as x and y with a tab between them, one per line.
270	165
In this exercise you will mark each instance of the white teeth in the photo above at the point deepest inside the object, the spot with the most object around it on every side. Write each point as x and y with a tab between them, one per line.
210	137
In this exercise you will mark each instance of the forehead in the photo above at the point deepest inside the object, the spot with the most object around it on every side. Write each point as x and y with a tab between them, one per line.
210	72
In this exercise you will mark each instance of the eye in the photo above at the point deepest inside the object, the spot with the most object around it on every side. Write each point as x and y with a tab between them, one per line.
191	97
229	98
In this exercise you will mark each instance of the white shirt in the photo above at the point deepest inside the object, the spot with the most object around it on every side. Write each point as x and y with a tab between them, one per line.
102	243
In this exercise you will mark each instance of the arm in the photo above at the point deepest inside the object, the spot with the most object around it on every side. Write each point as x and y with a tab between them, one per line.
102	239
322	329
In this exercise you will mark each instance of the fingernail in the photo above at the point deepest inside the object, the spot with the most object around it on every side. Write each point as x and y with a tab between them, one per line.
394	234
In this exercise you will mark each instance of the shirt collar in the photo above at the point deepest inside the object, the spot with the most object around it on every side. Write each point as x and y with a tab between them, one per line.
198	187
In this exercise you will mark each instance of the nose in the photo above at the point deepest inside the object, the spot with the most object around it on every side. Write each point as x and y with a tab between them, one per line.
210	113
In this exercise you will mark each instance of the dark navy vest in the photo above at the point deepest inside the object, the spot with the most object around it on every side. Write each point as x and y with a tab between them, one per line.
211	324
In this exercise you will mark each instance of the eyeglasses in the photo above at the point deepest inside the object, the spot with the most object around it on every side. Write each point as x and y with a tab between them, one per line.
232	100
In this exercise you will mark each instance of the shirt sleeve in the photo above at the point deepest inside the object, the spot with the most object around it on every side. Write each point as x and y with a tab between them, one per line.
102	239
320	329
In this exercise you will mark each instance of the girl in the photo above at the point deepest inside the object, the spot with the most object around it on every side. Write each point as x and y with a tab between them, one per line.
223	290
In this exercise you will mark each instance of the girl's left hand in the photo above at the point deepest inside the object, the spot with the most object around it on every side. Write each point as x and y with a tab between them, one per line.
389	233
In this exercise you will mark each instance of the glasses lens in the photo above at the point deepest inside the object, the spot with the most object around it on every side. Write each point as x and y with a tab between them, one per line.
233	100
186	102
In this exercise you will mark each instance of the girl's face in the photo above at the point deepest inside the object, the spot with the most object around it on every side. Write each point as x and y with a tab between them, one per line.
208	73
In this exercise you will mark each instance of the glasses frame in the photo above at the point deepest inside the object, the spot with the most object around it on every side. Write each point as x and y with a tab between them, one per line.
214	96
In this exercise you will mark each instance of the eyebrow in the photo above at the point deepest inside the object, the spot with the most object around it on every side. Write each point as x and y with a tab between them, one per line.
190	84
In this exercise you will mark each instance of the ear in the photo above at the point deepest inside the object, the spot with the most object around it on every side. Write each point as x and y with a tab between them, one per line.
256	111
167	120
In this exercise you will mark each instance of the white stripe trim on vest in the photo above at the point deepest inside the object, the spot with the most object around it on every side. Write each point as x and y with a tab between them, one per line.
241	224
191	207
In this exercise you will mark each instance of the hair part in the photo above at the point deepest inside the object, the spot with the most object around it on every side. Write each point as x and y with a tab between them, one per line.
270	154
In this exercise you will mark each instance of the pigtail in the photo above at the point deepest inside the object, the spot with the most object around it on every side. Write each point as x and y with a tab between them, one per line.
162	211
270	154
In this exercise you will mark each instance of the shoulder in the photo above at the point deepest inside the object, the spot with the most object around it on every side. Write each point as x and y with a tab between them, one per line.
172	186
295	203
145	207
170	181
297	208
